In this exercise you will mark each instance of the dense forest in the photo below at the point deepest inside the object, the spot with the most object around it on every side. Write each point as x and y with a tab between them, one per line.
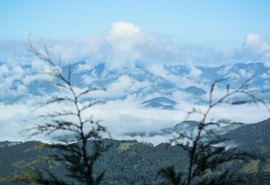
132	162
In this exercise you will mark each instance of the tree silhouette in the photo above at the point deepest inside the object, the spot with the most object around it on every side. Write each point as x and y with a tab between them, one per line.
79	154
209	158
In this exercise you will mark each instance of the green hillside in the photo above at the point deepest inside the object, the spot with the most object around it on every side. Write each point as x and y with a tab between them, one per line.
126	162
131	162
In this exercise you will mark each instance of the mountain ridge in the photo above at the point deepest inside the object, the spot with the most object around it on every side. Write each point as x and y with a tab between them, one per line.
139	81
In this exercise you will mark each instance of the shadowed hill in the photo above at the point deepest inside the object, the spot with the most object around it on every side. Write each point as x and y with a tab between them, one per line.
251	136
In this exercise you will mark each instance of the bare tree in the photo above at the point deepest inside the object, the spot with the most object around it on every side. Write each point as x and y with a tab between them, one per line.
207	157
79	156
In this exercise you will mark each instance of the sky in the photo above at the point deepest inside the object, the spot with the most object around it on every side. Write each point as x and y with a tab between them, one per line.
222	24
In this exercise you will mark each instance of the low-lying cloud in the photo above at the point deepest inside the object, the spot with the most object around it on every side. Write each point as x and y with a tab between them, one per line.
122	116
124	47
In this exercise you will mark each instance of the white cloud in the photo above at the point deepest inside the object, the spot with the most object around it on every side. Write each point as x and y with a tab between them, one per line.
125	84
245	74
256	43
266	75
124	45
121	116
255	48
4	70
225	70
194	71
120	30
122	39
17	71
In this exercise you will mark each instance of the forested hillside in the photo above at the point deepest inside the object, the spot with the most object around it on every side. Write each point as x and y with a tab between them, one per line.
252	136
125	162
131	162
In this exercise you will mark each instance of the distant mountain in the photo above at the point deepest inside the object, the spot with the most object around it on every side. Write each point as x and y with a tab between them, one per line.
195	91
24	82
185	126
160	102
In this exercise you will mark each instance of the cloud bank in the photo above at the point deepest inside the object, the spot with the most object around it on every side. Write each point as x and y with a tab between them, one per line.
124	44
126	49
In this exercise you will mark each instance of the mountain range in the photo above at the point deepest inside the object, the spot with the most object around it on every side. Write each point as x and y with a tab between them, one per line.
188	127
156	86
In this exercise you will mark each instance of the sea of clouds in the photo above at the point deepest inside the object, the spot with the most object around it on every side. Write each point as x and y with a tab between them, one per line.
122	47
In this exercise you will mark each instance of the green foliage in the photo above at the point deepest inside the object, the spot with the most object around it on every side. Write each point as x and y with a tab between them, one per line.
126	146
138	164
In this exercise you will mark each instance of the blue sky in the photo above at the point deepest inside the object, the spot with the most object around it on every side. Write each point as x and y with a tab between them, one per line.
209	22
